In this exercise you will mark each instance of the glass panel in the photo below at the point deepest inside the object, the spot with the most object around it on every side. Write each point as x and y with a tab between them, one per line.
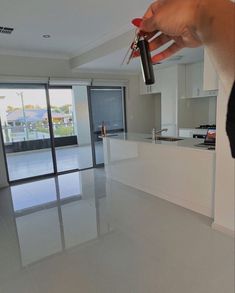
24	122
70	118
107	107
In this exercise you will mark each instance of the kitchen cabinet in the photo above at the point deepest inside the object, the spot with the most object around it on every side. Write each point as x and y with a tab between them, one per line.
210	76
189	132
170	82
178	172
157	86
154	88
194	81
169	100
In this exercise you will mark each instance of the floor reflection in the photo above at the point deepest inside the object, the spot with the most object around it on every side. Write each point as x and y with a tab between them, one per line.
82	233
56	214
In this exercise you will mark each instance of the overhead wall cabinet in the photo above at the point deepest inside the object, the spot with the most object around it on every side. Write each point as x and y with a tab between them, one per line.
195	81
151	89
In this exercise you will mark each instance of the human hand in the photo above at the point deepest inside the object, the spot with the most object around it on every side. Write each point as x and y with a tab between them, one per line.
177	21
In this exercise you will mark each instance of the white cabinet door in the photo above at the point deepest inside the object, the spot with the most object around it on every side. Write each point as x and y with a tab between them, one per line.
157	86
154	88
210	77
194	81
189	132
169	100
144	89
185	132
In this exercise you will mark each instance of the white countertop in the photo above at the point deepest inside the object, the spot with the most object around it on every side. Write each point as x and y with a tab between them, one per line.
177	171
142	137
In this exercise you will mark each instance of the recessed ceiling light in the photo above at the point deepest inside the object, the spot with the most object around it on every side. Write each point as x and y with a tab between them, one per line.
6	30
46	36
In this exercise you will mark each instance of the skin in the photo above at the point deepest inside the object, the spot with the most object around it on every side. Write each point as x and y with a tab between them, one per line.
193	23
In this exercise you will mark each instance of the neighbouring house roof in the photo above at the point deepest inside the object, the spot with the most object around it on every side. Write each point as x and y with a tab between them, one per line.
32	115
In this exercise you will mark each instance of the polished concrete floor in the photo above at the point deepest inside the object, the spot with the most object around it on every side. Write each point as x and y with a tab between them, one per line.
80	232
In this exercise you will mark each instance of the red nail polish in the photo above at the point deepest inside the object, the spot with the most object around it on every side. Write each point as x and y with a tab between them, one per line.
137	22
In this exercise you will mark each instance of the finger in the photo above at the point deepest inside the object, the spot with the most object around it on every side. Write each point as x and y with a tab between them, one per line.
159	41
155	44
149	36
167	53
149	23
136	22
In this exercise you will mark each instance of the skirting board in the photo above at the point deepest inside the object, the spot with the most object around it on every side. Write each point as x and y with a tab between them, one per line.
223	229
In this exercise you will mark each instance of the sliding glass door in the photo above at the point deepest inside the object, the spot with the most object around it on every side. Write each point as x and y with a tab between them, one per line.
25	129
57	129
71	127
107	108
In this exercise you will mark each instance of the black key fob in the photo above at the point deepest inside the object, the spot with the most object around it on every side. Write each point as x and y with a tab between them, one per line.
146	62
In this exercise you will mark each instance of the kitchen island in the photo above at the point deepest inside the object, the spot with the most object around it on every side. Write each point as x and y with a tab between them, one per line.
177	171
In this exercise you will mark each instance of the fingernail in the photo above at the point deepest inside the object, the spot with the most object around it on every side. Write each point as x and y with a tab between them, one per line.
137	22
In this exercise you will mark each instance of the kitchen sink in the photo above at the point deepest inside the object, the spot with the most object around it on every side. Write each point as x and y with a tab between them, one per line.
166	138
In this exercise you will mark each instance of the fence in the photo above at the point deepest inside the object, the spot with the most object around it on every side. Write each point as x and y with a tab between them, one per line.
35	132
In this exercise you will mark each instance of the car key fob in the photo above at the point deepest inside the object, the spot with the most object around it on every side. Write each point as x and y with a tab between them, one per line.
146	62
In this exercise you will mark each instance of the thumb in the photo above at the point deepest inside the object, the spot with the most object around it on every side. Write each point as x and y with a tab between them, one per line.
149	25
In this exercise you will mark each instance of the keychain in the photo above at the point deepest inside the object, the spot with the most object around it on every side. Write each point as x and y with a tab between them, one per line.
141	45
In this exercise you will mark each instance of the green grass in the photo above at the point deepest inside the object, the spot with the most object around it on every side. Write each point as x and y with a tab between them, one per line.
59	131
64	131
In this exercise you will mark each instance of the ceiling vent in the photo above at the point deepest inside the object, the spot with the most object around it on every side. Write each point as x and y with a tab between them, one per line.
6	30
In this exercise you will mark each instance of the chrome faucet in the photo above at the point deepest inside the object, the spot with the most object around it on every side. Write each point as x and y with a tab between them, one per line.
161	130
154	132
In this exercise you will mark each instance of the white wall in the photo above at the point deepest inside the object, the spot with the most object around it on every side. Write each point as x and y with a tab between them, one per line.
225	171
3	108
157	111
140	109
3	175
81	115
196	111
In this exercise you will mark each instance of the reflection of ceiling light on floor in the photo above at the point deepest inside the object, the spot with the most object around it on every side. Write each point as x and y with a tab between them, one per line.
46	36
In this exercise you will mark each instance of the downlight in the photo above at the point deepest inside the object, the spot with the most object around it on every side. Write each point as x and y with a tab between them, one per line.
6	30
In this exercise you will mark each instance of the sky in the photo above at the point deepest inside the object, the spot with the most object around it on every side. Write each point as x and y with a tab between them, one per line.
58	97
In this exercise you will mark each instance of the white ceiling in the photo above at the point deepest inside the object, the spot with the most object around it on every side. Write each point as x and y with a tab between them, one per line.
113	62
75	28
74	25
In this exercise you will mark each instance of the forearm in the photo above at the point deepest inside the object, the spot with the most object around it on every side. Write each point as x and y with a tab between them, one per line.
216	29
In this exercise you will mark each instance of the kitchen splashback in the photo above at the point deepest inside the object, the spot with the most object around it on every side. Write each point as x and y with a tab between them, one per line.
195	112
